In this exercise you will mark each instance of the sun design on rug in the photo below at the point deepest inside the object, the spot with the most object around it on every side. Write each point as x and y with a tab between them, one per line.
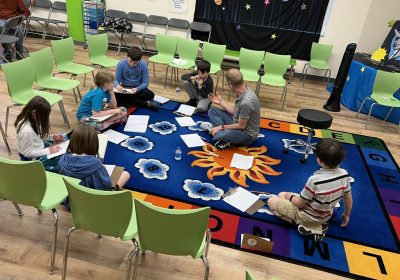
218	163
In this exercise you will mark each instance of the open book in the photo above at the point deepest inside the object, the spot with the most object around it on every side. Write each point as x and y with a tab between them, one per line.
101	119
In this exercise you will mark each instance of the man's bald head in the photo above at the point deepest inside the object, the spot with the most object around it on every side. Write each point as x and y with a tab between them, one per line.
234	77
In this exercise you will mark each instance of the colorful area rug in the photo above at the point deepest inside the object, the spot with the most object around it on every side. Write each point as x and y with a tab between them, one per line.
367	248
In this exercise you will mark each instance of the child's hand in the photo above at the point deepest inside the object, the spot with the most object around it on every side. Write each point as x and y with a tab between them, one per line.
54	149
58	138
345	220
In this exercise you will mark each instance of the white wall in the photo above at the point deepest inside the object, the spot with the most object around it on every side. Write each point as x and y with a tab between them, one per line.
363	22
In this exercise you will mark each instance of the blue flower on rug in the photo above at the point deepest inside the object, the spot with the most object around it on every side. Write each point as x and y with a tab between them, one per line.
300	150
138	144
152	168
163	127
205	191
265	208
196	127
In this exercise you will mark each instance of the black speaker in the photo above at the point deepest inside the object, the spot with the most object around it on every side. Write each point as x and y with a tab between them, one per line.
333	103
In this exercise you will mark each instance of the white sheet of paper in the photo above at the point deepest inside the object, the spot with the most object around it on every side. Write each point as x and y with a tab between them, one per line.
115	136
186	110
178	61
192	140
160	99
241	199
137	123
125	90
242	161
100	119
110	168
185	121
103	140
63	146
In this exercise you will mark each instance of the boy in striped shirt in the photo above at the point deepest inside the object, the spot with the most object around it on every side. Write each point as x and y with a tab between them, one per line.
312	209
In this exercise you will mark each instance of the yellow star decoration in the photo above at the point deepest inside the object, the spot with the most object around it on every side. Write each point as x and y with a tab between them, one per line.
379	54
273	36
247	7
348	78
362	69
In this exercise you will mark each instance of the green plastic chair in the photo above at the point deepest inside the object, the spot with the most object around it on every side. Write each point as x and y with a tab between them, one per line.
101	212
5	138
250	62
320	54
187	51
173	232
20	90
166	48
249	275
43	64
64	54
214	54
275	66
98	46
37	187
385	86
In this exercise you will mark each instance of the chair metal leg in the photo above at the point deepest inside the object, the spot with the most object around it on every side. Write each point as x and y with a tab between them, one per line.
305	75
291	74
204	257
135	264
132	254
166	76
20	213
7	115
79	93
5	139
66	248
369	114
53	246
84	79
308	145
283	98
64	114
391	109
362	104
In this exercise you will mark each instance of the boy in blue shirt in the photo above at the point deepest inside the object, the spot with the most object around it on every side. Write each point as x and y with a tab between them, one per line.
132	75
100	102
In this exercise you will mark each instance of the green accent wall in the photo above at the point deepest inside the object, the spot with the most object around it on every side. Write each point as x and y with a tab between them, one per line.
75	20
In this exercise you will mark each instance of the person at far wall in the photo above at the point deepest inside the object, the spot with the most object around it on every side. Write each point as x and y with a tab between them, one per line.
199	85
238	125
132	81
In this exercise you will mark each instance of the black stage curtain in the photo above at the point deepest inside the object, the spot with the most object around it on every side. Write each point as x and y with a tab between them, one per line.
277	26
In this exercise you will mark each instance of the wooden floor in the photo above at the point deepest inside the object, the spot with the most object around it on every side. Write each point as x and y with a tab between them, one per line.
25	241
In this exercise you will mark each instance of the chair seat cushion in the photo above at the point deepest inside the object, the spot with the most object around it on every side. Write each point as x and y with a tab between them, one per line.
273	80
314	119
319	64
75	68
104	61
385	99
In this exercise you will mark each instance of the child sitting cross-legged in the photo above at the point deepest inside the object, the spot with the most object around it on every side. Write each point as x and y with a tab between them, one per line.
313	208
100	102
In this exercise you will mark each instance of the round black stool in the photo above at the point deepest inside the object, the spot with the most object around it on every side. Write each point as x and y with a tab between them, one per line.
311	119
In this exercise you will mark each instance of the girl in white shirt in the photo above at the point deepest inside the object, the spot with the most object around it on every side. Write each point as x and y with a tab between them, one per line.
33	133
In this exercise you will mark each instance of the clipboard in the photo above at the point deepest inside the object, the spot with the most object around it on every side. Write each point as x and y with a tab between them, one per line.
243	200
256	243
116	174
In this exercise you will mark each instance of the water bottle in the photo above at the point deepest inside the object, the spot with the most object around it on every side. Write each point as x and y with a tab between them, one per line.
178	153
177	90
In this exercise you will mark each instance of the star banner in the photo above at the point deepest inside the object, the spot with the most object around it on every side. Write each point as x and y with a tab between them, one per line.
277	26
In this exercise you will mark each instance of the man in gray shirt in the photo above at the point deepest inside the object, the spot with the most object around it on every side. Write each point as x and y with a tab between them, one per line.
237	125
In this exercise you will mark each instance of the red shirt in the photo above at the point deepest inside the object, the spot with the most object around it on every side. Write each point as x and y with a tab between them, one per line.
12	8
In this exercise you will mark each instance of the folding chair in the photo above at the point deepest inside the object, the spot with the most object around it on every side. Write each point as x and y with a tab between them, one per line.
40	13
58	10
10	27
154	24
178	25
202	27
113	15
137	19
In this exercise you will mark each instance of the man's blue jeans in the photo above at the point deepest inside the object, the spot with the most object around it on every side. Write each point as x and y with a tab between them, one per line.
234	136
19	45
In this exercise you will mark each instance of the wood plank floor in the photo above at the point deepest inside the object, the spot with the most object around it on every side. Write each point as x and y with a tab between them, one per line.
25	241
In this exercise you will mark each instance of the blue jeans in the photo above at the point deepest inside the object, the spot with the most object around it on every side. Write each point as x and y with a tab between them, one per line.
19	45
234	136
